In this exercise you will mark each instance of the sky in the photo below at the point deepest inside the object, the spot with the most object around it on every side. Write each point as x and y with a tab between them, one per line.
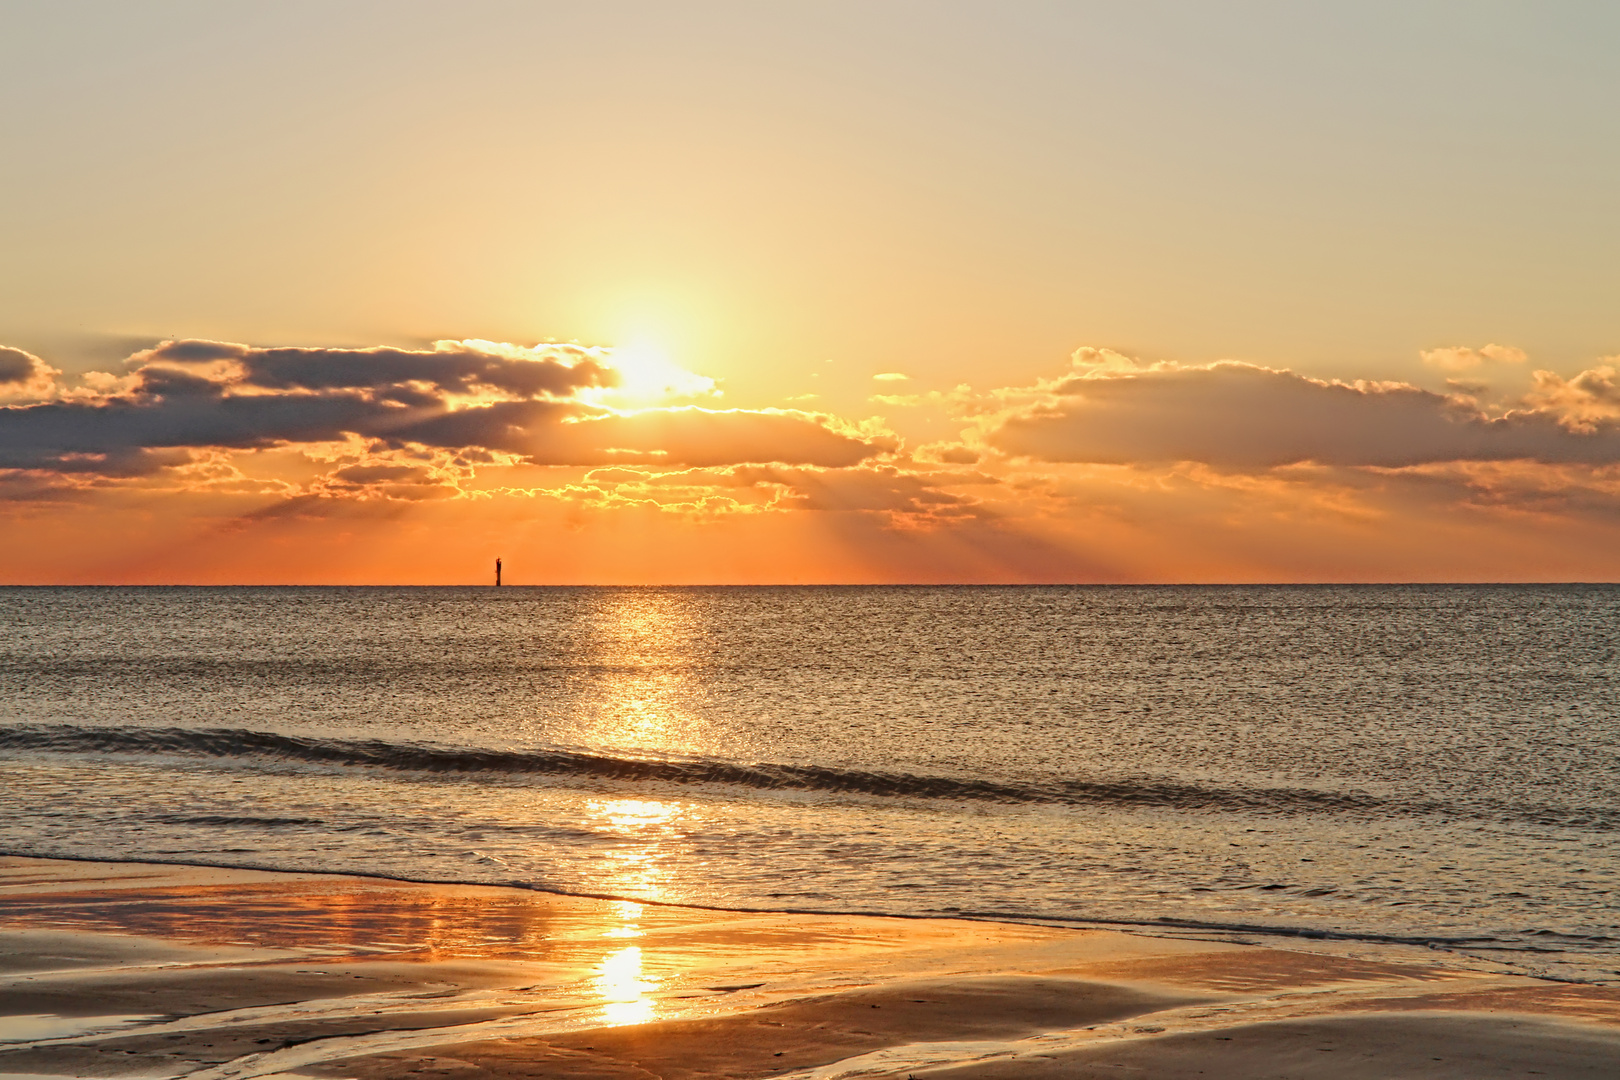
642	293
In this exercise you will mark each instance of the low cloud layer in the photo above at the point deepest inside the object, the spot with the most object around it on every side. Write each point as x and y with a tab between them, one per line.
451	368
1240	416
1463	358
1115	468
901	495
471	399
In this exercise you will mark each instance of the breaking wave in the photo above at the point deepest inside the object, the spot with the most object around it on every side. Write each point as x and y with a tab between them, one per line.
762	776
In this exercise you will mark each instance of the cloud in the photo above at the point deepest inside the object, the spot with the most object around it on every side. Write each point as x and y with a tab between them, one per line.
1462	358
950	453
1240	416
1583	402
882	488
1515	487
467	397
450	367
898	494
24	375
891	376
708	437
16	365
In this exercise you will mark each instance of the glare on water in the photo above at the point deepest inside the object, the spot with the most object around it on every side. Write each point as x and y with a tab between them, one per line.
1435	763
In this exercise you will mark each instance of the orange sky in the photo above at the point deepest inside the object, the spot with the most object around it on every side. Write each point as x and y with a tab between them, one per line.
211	462
372	293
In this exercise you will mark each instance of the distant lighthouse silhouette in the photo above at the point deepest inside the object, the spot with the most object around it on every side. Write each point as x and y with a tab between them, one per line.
497	573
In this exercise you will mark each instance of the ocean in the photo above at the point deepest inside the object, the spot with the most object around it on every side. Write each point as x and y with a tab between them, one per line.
1409	764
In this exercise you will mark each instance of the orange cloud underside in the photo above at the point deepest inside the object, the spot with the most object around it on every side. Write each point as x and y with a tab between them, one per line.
207	462
1116	525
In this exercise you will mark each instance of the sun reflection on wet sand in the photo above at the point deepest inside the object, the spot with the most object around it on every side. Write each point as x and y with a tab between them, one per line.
620	978
819	977
624	988
338	916
645	646
629	911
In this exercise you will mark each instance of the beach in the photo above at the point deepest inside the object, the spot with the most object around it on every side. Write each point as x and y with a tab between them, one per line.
1432	766
804	541
1158	832
151	970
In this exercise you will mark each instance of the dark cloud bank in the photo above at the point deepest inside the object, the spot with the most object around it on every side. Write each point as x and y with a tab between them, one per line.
462	397
474	403
1239	416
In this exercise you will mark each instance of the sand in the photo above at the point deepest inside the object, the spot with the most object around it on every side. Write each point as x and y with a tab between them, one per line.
126	969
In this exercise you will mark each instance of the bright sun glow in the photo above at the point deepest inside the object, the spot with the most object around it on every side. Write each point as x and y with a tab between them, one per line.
647	376
623	988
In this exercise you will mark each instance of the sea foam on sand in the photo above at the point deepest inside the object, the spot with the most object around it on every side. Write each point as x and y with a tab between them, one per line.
129	969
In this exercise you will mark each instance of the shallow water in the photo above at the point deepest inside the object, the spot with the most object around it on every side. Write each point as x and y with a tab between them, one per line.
1428	763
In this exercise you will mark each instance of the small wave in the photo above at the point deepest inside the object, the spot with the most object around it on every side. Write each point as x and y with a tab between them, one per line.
425	757
232	820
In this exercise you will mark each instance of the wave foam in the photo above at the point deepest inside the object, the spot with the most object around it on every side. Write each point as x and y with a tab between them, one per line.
764	776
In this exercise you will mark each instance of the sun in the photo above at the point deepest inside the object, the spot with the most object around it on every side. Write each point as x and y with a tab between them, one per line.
647	376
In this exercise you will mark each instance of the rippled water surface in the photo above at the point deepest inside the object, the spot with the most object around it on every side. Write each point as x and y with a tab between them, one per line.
1420	763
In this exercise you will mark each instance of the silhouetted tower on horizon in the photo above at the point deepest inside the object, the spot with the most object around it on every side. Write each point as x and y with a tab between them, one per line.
497	573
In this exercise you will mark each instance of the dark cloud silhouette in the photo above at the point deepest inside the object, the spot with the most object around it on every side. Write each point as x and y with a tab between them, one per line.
177	382
24	374
16	365
708	437
455	367
60	435
189	351
193	395
1240	416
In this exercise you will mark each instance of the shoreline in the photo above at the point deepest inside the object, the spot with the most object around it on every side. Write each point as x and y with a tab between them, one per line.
113	968
1180	929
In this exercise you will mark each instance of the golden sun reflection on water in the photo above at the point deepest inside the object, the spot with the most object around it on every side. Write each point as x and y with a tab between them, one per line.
636	813
645	645
647	830
642	707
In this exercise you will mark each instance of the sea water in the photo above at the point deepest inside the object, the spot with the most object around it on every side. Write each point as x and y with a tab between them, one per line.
1422	764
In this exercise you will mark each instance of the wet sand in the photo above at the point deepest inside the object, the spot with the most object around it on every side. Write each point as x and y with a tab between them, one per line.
125	969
